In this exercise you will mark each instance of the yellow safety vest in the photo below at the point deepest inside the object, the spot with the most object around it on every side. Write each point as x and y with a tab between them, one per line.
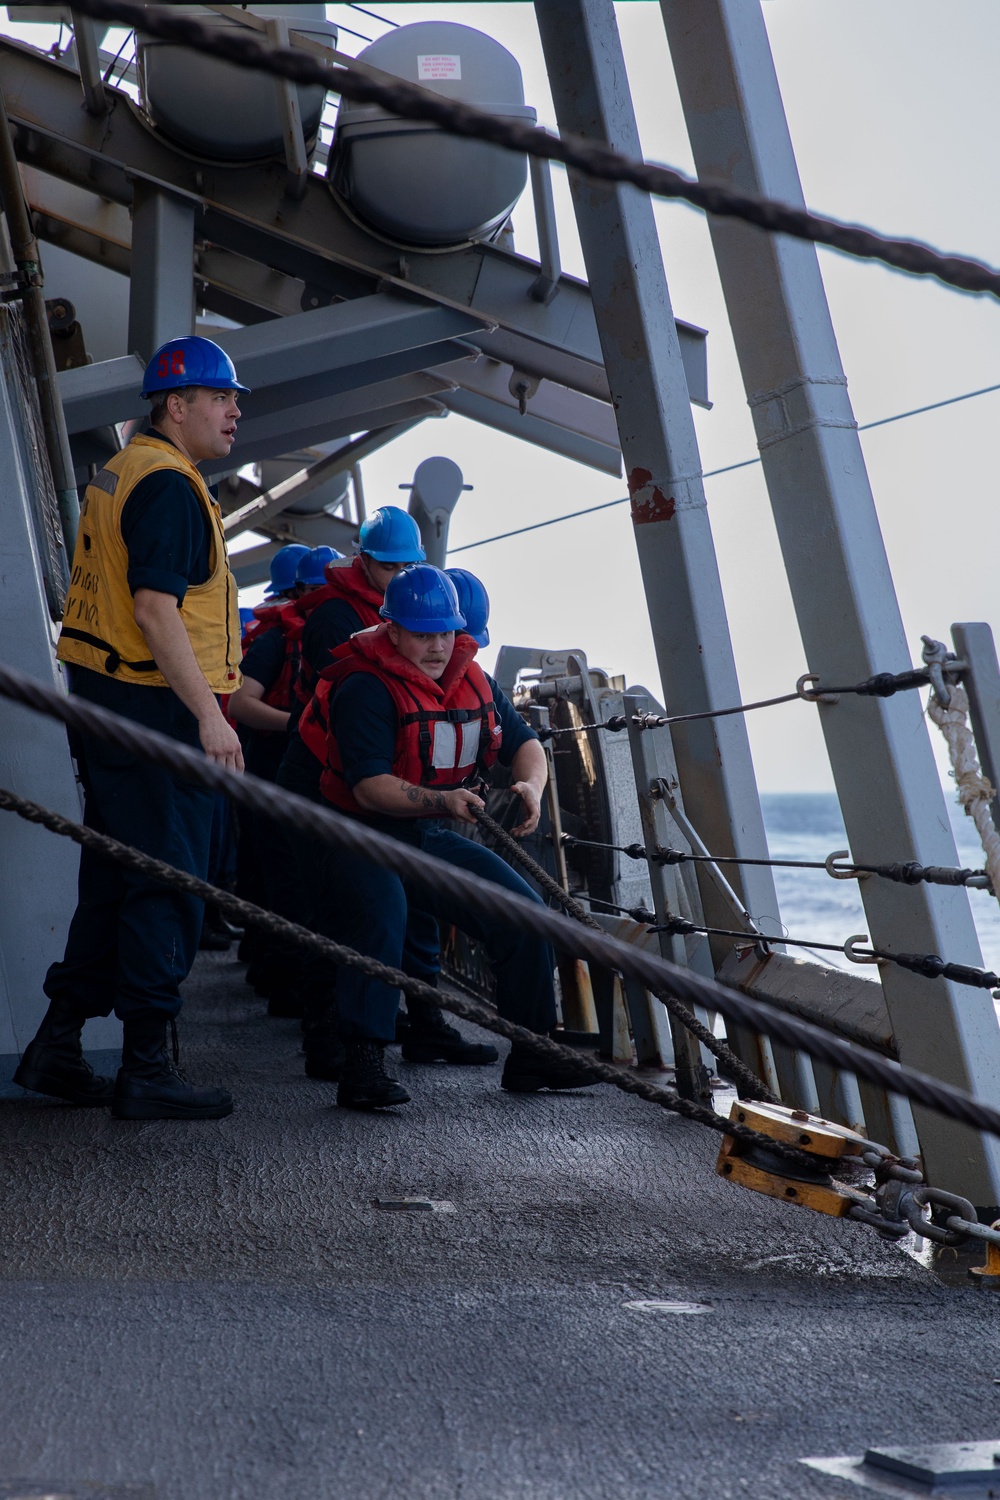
99	629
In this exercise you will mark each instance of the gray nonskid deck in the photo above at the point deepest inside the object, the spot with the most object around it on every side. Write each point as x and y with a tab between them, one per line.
221	1310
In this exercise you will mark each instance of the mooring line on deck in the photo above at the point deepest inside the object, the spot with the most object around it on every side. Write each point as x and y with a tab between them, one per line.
652	972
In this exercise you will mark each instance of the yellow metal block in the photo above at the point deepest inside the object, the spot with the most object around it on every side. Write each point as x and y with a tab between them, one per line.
834	1198
794	1127
820	1139
991	1270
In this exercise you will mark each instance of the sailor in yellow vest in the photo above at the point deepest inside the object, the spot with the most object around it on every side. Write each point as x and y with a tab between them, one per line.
151	631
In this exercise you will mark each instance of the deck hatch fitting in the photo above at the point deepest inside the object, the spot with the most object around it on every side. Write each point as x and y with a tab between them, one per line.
417	1205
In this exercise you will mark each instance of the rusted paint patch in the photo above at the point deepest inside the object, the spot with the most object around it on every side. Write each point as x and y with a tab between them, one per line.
654	506
649	503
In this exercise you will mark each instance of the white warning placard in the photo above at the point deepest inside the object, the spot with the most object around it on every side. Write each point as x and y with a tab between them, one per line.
438	65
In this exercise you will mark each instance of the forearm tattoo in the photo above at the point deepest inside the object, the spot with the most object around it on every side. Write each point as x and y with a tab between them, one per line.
432	802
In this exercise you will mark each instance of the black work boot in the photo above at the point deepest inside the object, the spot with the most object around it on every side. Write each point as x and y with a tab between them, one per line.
286	1003
430	1039
216	933
54	1062
151	1087
364	1083
324	1051
526	1071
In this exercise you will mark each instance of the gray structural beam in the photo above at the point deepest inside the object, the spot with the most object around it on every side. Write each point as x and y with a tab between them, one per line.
161	293
560	420
298	353
318	528
39	881
296	362
531	428
246	211
382	405
659	447
846	605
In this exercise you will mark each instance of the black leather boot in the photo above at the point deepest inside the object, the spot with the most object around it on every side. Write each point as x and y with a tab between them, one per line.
286	1003
430	1039
216	933
151	1087
525	1072
364	1083
54	1063
324	1051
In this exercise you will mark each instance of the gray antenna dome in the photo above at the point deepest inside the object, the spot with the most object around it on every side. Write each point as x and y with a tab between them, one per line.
411	180
216	109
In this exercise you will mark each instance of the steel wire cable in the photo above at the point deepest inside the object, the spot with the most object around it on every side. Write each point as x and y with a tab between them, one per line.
734	1067
929	965
409	101
907	872
485	898
886	1167
880	685
746	463
465	1006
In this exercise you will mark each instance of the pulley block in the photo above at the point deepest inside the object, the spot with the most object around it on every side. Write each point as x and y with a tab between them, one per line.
813	1184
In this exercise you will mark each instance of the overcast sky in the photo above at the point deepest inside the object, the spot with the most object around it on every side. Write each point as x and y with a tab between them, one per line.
895	114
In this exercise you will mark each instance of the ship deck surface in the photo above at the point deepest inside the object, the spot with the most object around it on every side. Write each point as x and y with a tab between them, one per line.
219	1310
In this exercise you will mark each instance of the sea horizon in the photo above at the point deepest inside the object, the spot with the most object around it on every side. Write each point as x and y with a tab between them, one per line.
813	906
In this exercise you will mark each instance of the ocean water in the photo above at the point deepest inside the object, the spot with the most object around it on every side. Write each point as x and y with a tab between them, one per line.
808	825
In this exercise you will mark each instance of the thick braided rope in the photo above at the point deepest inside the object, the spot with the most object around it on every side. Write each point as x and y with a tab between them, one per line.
749	1084
466	1007
974	791
482	896
409	101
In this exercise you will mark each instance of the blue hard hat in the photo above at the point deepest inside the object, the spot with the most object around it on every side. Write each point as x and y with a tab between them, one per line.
246	615
190	361
423	599
474	602
312	568
390	535
284	564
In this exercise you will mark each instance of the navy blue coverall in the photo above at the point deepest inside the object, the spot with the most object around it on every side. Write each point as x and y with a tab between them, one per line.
366	907
132	941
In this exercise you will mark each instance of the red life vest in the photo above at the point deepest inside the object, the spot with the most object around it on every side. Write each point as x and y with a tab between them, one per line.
342	583
286	618
449	731
314	721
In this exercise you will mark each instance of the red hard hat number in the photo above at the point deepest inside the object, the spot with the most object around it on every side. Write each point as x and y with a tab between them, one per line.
170	362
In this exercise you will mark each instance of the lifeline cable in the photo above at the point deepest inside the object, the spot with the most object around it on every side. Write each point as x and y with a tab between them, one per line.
408	100
909	872
470	1009
881	685
482	896
745	463
755	1087
929	965
465	1006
